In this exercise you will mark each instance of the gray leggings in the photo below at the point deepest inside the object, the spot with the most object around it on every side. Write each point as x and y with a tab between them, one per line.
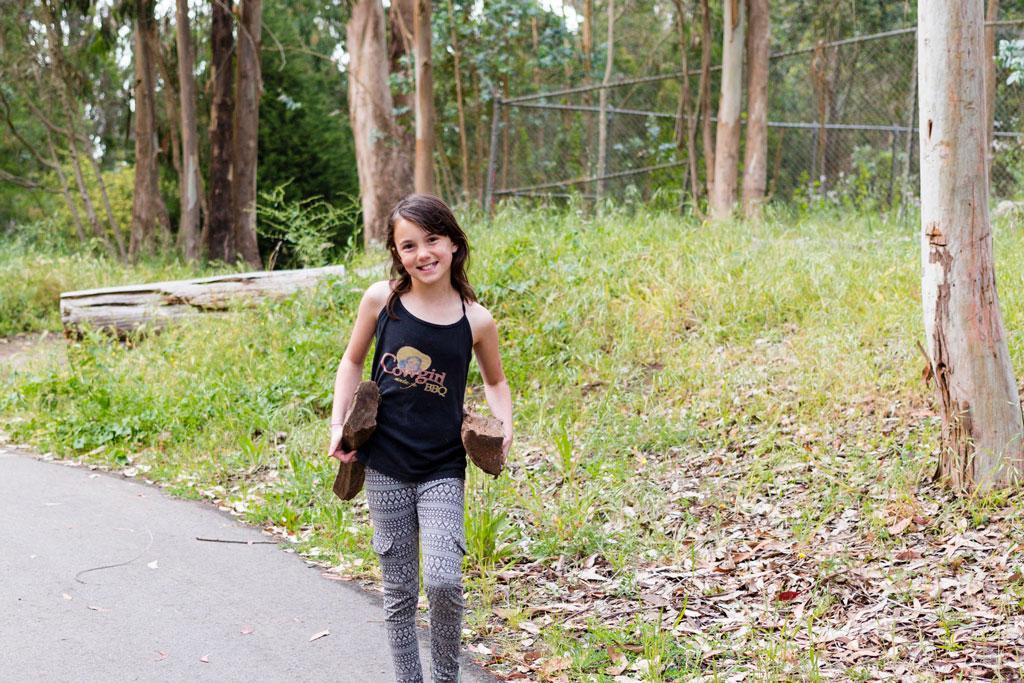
405	517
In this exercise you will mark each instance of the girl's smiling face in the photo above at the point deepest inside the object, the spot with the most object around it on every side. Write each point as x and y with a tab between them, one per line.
425	256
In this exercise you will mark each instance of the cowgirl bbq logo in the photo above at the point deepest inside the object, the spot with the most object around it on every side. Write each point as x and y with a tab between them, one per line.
411	367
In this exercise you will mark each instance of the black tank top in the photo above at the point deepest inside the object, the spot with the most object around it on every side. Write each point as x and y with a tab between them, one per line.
421	370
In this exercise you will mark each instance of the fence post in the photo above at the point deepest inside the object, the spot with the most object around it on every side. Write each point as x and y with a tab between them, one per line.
491	157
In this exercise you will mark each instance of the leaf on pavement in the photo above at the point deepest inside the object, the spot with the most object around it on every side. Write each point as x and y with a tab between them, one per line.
317	636
163	656
247	630
205	659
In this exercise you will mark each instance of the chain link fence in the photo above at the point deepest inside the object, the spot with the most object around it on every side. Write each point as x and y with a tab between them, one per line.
842	131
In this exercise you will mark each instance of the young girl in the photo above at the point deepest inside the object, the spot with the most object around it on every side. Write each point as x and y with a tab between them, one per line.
426	321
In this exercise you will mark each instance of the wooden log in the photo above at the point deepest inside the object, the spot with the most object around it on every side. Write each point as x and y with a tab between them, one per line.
124	310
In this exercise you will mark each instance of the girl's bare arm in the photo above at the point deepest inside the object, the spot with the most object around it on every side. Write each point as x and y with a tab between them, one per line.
350	369
496	389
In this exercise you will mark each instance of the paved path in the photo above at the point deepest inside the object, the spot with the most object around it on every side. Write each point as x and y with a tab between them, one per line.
178	612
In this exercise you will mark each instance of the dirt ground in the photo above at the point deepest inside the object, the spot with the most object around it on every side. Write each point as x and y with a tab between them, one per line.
21	350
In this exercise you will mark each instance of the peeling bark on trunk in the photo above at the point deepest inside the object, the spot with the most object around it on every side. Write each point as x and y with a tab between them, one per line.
970	362
727	137
401	24
245	156
371	113
188	228
424	171
755	160
149	213
220	231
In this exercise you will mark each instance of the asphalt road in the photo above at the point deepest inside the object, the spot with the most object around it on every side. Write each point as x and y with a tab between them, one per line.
180	609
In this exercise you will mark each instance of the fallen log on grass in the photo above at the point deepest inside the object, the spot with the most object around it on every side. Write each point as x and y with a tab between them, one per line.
128	309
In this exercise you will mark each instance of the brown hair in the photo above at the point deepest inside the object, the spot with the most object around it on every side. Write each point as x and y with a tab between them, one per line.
434	216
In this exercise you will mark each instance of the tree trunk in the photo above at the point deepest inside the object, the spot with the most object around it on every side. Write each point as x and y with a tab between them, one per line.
705	98
64	188
727	137
98	172
464	148
602	120
245	156
991	15
149	213
188	228
220	229
687	121
424	171
401	23
371	113
83	192
970	362
755	159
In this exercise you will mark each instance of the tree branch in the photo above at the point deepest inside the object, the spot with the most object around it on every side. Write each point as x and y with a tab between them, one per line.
24	182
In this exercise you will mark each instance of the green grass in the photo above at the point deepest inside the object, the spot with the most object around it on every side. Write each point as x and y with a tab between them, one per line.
673	382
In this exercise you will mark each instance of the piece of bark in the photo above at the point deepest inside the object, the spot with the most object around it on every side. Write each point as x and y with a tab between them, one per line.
349	480
482	436
360	421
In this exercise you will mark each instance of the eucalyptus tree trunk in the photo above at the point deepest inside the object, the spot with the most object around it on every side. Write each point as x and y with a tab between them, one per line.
991	15
219	237
424	170
188	228
149	213
463	147
602	121
755	159
371	112
401	23
970	362
245	152
727	137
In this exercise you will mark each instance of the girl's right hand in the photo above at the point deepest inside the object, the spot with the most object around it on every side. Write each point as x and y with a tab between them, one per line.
334	449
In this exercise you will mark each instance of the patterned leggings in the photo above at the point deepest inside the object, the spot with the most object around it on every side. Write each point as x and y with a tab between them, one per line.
404	517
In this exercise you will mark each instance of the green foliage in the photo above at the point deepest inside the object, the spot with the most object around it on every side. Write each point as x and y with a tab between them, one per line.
865	187
305	142
119	183
1011	56
314	231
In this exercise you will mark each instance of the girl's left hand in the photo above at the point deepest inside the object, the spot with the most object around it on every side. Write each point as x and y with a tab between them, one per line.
506	444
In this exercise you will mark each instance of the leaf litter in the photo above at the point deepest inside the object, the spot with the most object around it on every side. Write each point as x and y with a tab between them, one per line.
888	582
